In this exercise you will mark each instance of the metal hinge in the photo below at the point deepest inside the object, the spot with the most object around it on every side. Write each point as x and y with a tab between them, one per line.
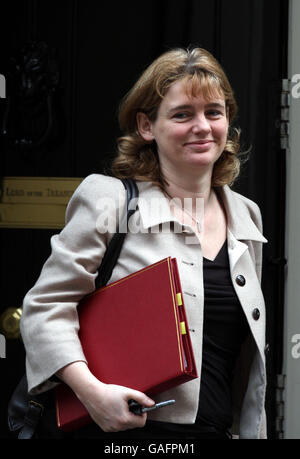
280	406
285	114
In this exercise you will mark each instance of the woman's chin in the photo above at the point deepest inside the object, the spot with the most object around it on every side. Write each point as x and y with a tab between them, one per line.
200	160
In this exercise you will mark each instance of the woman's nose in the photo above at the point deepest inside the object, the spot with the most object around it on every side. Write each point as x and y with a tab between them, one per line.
201	125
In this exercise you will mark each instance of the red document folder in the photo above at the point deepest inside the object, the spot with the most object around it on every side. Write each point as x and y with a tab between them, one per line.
134	333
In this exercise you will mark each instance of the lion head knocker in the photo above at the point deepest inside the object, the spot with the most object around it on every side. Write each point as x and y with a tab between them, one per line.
32	78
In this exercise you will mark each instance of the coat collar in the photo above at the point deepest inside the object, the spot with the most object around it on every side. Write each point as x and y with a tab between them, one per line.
241	215
154	209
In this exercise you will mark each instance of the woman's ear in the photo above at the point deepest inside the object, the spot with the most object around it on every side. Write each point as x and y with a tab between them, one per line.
144	126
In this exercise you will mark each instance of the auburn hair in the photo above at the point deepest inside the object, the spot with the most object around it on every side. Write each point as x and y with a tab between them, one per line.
203	74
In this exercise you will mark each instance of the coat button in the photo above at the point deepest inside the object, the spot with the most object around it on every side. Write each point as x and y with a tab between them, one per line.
240	280
255	314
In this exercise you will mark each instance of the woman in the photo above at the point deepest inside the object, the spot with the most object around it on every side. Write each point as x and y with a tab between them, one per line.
178	143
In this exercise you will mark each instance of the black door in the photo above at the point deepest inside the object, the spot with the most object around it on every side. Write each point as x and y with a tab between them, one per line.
90	53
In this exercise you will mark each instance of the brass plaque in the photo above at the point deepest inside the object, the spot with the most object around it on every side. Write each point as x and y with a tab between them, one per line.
35	202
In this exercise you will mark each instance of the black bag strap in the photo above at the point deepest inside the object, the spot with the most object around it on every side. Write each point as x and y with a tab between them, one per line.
113	250
25	411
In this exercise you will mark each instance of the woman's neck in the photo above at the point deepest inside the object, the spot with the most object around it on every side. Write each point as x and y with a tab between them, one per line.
198	199
190	187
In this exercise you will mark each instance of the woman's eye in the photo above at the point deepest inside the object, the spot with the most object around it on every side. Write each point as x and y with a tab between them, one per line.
181	115
214	113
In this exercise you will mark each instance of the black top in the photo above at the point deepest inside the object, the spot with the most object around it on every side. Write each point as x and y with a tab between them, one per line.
225	328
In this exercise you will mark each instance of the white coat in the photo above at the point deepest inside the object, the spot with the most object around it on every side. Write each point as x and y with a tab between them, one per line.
49	323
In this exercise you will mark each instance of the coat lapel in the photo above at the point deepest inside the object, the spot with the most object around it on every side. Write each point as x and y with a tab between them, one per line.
242	216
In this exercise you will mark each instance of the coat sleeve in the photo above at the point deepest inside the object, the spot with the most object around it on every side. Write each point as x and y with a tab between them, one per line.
49	323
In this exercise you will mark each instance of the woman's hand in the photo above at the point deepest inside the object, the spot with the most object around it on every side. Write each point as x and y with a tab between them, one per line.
107	404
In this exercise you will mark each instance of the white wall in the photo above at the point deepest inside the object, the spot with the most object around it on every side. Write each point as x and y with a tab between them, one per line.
292	300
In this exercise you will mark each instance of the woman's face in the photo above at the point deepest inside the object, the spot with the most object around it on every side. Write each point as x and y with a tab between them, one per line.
190	132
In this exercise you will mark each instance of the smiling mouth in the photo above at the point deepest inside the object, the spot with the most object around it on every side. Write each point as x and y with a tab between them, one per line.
200	142
199	145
